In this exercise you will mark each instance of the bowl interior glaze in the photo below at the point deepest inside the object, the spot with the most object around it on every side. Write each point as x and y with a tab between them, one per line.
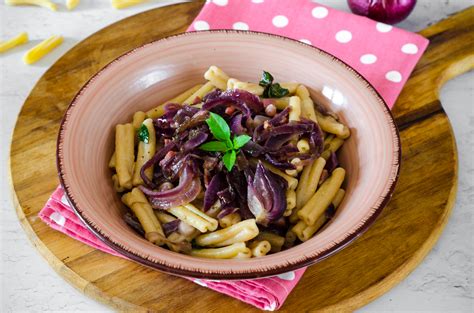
149	75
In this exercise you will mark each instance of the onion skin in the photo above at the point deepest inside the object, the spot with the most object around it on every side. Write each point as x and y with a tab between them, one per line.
385	11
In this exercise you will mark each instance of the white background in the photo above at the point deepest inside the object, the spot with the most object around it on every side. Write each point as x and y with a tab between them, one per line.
442	283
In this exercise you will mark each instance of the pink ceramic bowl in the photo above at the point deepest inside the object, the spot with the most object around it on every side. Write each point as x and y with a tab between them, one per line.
158	71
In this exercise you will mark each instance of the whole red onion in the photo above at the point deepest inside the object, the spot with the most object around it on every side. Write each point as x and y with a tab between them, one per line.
385	11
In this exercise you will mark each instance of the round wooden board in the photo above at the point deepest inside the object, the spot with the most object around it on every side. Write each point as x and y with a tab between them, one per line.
405	232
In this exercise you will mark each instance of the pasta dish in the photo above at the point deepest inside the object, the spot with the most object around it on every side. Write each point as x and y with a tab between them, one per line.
230	169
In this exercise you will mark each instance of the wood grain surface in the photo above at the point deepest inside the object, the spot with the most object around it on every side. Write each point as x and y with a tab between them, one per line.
399	240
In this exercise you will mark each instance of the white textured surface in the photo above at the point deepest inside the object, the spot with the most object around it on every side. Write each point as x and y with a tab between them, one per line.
442	283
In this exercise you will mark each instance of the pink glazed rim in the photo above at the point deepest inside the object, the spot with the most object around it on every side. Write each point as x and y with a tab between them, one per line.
284	266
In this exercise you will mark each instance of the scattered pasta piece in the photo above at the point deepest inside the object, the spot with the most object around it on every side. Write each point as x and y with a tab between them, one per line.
40	50
71	4
42	3
122	4
15	41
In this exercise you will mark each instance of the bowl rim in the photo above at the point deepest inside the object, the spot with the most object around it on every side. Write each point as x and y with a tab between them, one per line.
232	275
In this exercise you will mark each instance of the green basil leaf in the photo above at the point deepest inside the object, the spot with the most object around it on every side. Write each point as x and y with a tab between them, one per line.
276	91
240	141
229	144
267	79
216	146
143	134
229	159
218	127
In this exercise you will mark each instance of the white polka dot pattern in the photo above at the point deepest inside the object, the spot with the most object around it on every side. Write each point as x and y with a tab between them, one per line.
287	276
280	21
319	12
221	3
383	28
240	26
410	48
344	36
394	76
368	59
58	218
64	200
201	25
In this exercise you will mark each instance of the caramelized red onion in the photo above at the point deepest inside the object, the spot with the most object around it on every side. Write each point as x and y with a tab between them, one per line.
187	190
266	195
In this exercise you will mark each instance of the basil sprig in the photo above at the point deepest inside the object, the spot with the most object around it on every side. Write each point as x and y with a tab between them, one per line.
272	90
143	134
230	147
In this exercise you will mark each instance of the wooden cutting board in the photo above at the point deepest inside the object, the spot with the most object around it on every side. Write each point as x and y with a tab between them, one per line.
399	240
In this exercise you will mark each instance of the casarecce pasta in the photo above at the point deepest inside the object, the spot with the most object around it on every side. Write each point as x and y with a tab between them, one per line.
230	169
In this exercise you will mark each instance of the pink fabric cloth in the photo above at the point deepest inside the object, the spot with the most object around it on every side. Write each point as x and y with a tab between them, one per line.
383	54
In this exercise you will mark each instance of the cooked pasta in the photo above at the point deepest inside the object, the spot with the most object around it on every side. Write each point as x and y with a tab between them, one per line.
146	150
179	99
319	202
230	169
260	248
227	252
124	154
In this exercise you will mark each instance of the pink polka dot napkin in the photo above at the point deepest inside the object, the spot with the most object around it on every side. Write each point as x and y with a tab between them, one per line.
383	54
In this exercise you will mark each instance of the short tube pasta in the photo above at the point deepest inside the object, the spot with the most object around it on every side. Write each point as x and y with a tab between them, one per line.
246	234
260	248
220	253
256	89
13	42
116	183
43	48
307	105
338	198
137	201
164	217
276	242
295	108
291	86
309	183
292	182
145	152
124	154
179	99
280	103
240	232
138	119
246	254
319	202
200	93
290	202
112	161
305	232
303	145
217	77
330	125
229	220
194	217
290	238
42	3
